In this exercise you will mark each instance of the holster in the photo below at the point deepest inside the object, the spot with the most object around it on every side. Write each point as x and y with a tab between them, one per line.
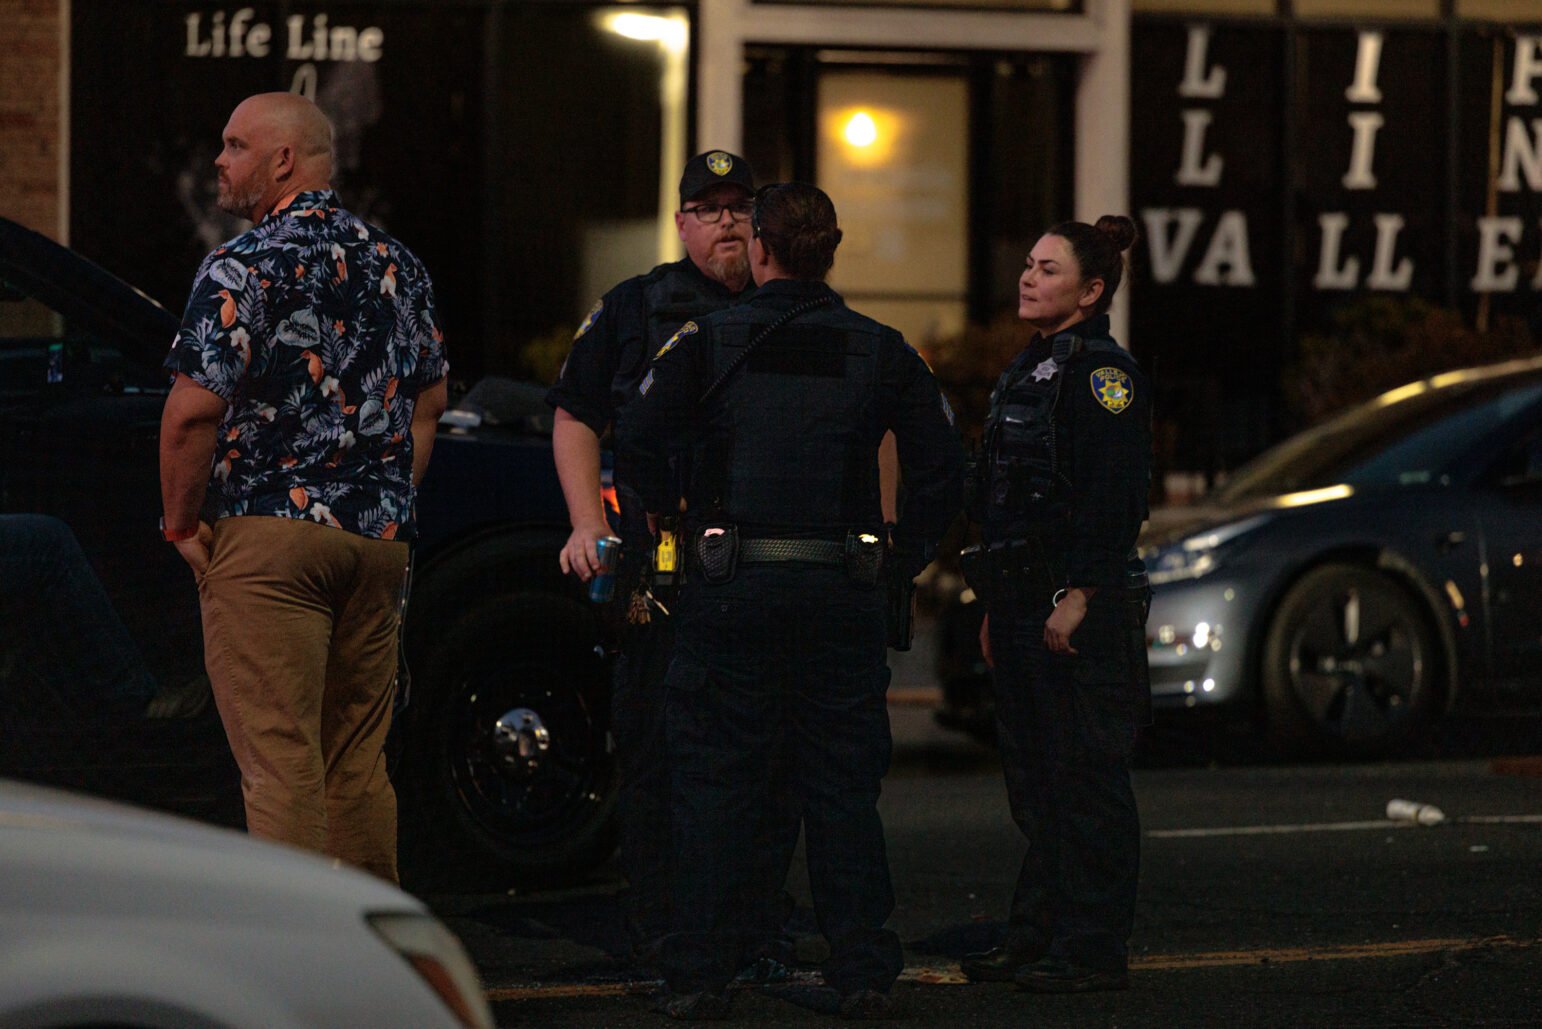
900	609
975	567
716	548
864	559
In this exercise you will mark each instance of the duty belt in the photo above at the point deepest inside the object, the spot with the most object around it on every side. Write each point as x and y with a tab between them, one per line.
773	551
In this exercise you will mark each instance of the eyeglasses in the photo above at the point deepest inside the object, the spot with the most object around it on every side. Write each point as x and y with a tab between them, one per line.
711	214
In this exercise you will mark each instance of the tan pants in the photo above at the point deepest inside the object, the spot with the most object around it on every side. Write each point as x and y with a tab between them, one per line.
299	627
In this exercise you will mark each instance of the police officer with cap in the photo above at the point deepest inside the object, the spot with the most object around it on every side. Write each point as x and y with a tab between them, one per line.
782	402
609	356
1060	494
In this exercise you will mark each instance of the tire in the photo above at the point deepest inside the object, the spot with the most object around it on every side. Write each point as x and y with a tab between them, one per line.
506	777
1350	666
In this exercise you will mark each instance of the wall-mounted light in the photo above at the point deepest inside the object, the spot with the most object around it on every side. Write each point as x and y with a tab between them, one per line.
671	31
861	130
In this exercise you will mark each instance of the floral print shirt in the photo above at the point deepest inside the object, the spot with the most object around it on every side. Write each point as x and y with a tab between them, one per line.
319	330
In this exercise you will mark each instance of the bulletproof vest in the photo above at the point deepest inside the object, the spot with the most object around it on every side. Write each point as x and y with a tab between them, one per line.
674	298
792	439
1020	477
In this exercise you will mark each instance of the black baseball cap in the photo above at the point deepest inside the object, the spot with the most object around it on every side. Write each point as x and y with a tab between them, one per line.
711	168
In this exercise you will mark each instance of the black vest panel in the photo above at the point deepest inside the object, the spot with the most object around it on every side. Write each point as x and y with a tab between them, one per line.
672	296
1021	486
794	433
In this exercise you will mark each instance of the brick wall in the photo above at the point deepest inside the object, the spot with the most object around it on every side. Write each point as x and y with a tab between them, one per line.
31	181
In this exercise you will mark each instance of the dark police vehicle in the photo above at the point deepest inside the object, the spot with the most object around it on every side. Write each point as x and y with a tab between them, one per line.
501	756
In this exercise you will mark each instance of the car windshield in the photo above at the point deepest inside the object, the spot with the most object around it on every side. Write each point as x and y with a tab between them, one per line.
1405	437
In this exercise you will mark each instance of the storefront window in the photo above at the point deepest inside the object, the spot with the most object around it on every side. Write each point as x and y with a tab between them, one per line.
943	167
524	151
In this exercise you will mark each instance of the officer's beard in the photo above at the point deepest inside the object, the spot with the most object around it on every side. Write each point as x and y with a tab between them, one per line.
731	270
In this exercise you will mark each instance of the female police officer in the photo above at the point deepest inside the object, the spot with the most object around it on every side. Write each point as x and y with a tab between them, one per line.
1060	493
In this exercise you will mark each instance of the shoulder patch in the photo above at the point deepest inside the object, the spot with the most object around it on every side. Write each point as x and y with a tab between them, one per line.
647	383
685	330
947	408
1112	388
594	312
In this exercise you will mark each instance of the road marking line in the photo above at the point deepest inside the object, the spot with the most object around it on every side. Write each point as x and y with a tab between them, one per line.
949	975
1379	823
1348	952
1268	830
1500	819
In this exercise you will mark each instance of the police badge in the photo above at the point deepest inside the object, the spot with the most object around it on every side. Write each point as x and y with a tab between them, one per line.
1112	388
685	330
594	312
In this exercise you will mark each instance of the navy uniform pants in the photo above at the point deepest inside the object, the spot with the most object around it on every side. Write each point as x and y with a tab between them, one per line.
1066	729
789	656
644	796
637	725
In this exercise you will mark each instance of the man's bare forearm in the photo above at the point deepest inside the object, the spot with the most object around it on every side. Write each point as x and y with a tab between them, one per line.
430	404
577	452
188	424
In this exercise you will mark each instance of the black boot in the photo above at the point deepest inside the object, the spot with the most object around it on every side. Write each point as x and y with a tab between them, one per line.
1057	975
999	964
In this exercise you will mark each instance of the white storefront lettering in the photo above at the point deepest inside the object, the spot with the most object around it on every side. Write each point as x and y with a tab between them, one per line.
1522	153
1207	84
235	35
1196	169
1171	234
1528	67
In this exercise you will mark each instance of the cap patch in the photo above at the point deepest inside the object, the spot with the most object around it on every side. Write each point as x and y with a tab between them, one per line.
594	312
719	163
1112	388
685	330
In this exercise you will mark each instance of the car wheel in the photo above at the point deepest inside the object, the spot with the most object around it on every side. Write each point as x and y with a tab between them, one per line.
506	775
1349	664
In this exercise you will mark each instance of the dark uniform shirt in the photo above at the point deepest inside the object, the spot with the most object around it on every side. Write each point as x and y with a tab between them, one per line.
1102	445
771	390
623	331
319	330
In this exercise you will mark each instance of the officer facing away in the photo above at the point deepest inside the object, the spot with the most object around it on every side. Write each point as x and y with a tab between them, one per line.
609	357
782	402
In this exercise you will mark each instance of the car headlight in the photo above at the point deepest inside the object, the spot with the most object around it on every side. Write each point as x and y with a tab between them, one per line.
1195	557
436	955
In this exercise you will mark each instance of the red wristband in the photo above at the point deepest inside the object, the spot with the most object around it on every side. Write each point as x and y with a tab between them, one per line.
179	535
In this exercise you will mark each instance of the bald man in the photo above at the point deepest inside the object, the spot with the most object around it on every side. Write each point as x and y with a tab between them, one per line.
310	376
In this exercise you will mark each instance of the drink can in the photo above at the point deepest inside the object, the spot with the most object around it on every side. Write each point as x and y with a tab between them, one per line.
603	586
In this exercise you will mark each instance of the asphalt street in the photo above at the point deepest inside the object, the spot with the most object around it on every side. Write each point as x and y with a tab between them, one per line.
1271	895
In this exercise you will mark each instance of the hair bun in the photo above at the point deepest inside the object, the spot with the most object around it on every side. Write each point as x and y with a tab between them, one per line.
1119	229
